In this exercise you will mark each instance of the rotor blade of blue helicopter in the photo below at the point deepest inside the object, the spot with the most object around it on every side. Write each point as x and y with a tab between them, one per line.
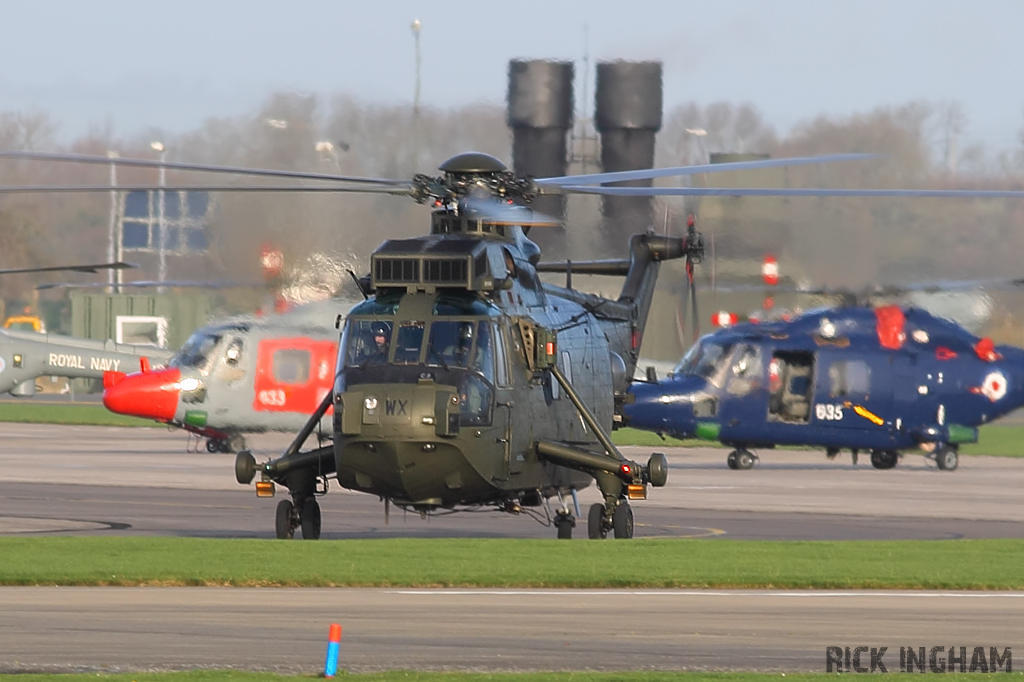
937	286
42	189
648	174
90	268
794	192
204	168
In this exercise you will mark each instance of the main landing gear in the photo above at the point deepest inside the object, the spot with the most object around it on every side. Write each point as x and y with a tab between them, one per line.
884	459
621	525
289	517
947	458
741	458
233	443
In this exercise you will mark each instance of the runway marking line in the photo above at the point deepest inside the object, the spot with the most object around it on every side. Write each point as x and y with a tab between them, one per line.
718	593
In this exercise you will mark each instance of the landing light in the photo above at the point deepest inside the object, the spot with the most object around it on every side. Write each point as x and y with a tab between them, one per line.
370	403
264	488
189	384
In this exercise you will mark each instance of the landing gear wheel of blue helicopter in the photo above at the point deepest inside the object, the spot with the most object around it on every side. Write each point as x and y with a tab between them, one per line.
731	460
622	521
595	522
947	458
884	459
283	520
744	460
310	519
564	523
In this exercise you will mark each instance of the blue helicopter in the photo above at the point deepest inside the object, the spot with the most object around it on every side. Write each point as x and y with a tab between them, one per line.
882	380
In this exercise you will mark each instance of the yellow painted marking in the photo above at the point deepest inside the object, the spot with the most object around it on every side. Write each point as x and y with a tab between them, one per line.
870	416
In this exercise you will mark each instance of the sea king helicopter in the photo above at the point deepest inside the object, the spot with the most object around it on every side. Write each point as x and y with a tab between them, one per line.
463	381
877	378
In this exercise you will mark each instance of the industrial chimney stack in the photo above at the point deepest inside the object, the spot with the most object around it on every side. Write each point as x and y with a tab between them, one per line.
627	115
540	114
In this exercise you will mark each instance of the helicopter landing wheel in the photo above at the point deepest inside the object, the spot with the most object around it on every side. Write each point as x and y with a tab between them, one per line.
884	459
214	445
622	522
283	521
731	460
310	519
595	522
744	460
564	523
947	458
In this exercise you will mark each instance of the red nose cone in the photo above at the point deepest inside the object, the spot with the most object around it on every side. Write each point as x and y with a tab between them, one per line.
151	395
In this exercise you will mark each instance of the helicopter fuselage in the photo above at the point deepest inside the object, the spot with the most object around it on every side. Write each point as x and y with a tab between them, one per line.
886	379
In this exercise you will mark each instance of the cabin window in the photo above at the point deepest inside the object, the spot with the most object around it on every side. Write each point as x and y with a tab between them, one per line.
790	386
849	377
291	366
483	353
408	341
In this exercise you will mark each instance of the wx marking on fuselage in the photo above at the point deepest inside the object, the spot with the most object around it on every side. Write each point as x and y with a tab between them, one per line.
393	407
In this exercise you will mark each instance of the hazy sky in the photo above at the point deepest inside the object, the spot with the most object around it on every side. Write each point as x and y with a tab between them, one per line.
171	64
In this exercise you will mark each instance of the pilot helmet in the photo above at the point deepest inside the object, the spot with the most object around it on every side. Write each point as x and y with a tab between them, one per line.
466	333
379	329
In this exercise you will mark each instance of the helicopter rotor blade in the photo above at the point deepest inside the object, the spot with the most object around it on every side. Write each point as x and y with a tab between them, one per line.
794	192
199	167
92	268
500	213
649	174
224	284
60	189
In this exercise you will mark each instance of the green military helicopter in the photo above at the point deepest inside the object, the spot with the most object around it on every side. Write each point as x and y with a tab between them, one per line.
463	381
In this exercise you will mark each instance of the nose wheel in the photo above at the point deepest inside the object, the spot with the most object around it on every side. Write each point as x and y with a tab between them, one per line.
740	459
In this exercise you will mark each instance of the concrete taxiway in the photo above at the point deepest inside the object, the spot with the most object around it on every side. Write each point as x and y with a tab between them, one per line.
80	480
110	481
62	629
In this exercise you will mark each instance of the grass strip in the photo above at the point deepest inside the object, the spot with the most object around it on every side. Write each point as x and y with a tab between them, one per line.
66	413
488	562
995	440
414	676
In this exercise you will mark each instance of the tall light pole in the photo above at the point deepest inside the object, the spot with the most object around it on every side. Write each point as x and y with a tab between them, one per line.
416	26
113	243
161	222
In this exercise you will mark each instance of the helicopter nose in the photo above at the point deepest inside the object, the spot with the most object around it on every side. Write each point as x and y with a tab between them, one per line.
151	395
664	407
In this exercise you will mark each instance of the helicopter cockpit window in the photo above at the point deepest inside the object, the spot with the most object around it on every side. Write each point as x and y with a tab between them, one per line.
746	370
232	368
704	360
849	377
450	343
197	353
408	341
475	399
483	353
291	366
367	342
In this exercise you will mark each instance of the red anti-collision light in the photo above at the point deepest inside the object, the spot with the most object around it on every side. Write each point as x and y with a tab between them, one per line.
770	270
150	395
